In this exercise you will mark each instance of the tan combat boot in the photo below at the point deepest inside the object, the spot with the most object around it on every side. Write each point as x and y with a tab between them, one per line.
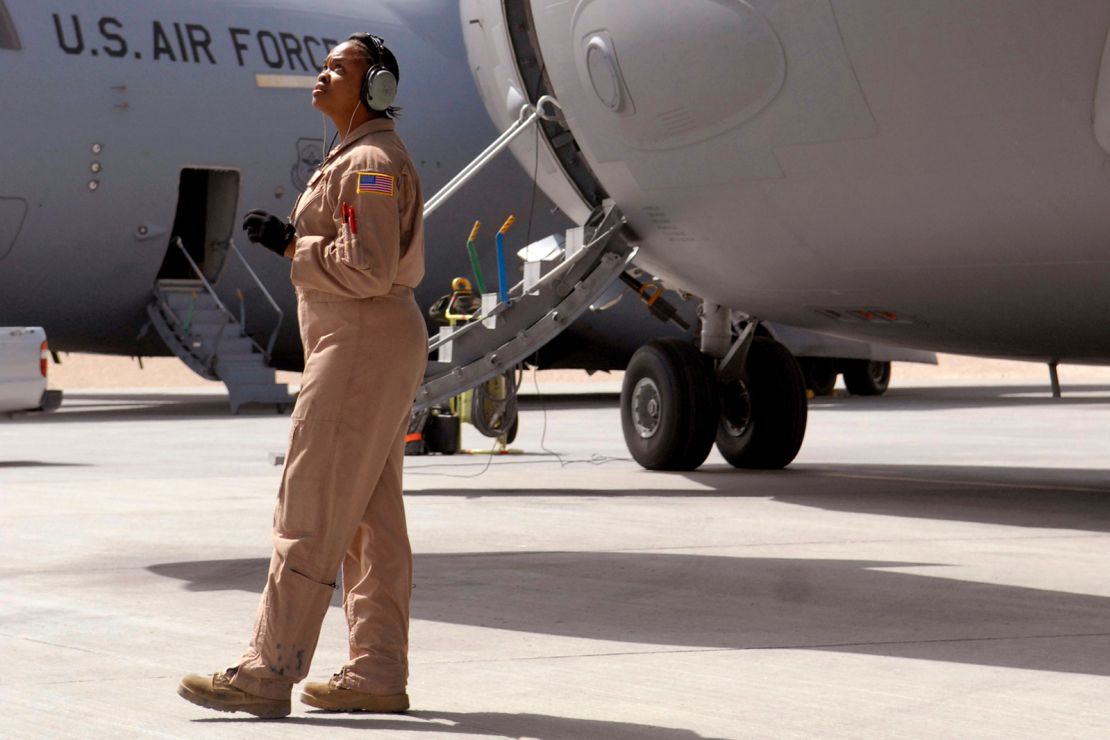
216	692
334	697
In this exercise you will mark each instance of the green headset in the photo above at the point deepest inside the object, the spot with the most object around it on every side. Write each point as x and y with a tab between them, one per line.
379	87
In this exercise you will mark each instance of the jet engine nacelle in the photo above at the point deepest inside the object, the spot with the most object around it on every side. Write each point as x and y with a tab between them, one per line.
677	109
925	174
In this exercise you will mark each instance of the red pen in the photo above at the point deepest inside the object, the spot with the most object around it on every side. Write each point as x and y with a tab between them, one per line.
351	219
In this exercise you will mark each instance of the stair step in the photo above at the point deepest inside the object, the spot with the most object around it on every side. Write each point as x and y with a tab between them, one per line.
245	375
261	393
229	346
236	346
180	284
211	327
242	359
184	291
183	315
208	314
182	301
269	391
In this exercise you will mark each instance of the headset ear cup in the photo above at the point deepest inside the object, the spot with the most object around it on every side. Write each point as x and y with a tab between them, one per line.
379	89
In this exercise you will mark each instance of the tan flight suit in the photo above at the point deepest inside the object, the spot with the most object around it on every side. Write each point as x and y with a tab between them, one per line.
365	349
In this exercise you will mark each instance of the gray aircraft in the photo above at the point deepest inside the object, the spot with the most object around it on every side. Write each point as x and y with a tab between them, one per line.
926	175
139	135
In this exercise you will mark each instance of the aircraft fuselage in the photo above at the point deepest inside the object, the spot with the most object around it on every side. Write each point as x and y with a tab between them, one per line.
119	120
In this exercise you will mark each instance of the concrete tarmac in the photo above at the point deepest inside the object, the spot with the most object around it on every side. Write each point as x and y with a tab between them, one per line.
934	565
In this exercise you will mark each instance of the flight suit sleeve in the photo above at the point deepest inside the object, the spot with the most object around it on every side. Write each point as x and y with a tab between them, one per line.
358	262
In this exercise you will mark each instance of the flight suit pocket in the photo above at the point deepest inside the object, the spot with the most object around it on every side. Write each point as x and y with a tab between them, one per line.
355	253
306	481
304	203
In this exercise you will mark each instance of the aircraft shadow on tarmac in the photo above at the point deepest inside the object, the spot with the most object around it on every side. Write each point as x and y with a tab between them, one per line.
1042	498
739	603
942	398
486	724
152	406
156	406
141	406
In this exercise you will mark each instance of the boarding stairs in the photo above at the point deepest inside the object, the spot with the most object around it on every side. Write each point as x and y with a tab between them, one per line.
572	275
196	325
563	276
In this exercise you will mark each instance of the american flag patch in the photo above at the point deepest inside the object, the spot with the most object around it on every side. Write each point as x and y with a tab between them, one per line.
375	182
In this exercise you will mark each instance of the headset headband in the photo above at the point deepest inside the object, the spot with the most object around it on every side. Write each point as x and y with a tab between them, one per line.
373	44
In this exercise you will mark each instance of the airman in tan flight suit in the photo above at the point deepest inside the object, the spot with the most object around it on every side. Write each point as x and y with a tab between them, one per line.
357	245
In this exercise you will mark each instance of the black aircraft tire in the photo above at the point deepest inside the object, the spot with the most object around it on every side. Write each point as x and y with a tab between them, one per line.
819	374
669	405
866	378
763	416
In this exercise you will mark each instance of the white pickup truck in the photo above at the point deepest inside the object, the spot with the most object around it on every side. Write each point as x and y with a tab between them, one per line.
24	357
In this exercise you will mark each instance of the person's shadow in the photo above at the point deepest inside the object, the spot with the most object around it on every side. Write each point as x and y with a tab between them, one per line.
484	724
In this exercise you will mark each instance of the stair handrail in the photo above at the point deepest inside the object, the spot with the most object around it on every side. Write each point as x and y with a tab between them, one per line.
528	115
212	291
268	352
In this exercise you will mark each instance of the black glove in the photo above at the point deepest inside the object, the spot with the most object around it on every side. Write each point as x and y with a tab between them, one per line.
268	230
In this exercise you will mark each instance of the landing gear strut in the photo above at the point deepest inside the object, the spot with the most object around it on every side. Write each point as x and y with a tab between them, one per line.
677	401
819	374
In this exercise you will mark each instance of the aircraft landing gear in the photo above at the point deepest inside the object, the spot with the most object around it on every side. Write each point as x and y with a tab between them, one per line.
675	404
669	405
866	377
819	374
763	412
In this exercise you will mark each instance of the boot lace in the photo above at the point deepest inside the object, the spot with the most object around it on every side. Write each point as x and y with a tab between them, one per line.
338	679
